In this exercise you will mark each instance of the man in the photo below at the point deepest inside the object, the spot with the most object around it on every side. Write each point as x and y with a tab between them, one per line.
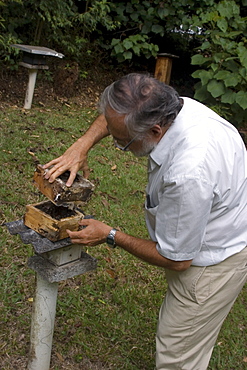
196	208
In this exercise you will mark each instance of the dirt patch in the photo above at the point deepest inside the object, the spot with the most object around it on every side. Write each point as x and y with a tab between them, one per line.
61	84
20	363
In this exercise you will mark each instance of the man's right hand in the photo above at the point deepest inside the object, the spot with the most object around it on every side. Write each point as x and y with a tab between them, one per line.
75	157
73	160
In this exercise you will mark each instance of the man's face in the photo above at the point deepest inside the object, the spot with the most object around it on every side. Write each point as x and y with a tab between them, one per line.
116	126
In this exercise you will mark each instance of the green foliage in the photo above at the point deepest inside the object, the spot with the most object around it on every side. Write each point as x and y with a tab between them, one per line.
148	27
59	24
7	54
96	14
124	29
223	60
139	24
134	44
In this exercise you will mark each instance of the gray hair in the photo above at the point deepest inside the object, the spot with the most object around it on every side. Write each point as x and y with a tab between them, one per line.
143	100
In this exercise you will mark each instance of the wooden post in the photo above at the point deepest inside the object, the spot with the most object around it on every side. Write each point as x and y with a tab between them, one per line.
163	67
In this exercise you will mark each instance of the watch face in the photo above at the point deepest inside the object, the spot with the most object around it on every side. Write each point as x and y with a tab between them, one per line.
110	238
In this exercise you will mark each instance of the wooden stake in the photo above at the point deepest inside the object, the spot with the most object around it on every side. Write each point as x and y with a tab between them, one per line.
163	67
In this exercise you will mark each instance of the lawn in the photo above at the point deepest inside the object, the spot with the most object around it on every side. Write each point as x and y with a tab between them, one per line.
106	319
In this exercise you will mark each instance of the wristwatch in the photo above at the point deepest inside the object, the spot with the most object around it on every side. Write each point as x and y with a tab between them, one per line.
110	240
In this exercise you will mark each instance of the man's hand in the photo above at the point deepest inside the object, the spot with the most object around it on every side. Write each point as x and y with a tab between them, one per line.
74	159
93	233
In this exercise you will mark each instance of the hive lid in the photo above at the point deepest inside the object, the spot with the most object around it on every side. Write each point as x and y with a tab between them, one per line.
39	50
60	194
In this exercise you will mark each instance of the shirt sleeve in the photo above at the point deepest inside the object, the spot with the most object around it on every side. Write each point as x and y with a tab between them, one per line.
182	215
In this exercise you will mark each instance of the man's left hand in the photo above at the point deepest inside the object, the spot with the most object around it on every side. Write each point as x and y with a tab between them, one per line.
93	233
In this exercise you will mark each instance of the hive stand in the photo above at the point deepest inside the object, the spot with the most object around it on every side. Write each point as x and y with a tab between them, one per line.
34	58
52	262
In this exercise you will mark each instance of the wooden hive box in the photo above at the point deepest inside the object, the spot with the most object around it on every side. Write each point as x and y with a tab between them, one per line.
51	221
80	191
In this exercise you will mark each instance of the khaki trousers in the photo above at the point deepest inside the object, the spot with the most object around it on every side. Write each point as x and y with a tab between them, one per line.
196	304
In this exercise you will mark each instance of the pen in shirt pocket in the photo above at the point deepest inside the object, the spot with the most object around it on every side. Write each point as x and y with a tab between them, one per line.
148	201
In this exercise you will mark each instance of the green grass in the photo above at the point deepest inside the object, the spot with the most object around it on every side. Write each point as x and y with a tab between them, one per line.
106	319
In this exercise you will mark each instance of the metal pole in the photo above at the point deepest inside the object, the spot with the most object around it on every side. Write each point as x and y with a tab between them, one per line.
42	326
30	88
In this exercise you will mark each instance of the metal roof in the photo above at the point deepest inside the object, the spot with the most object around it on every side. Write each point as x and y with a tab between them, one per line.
41	50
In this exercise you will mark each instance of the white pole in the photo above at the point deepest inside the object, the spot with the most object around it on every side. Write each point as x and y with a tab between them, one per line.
30	88
42	326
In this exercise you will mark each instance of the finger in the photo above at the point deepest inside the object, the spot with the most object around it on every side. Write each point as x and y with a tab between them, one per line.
75	237
71	178
85	221
85	169
54	172
86	172
76	241
50	171
51	163
74	234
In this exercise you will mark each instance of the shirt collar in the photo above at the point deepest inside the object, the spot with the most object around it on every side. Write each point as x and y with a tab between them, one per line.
161	152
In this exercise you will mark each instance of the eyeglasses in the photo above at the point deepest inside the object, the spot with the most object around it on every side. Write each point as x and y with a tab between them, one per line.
124	148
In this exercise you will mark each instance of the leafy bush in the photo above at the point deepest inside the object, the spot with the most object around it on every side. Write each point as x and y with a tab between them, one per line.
134	44
65	25
223	60
138	21
7	53
146	26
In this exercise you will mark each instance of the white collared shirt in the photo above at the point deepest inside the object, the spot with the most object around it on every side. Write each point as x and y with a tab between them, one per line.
196	204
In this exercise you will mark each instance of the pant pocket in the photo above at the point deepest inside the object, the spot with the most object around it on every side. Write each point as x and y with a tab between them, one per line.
214	280
201	287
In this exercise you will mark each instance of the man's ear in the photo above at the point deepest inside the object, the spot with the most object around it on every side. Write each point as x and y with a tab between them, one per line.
156	132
